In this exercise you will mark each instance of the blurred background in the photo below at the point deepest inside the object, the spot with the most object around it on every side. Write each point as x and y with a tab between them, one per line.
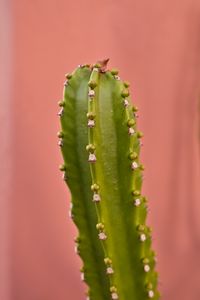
156	46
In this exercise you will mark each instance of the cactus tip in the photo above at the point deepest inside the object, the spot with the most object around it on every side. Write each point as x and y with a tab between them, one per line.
103	64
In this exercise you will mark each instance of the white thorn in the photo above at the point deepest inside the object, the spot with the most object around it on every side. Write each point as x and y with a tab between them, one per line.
76	249
102	236
96	198
137	202
143	237
131	131
60	143
64	177
114	296
70	210
96	69
109	270
92	157
151	294
82	276
66	83
60	113
126	103
134	165
91	123
91	93
146	268
116	77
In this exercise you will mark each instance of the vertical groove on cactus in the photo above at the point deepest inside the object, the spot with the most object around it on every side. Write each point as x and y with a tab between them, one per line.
92	105
101	148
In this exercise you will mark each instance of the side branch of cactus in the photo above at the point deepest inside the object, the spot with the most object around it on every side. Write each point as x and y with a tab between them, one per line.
101	145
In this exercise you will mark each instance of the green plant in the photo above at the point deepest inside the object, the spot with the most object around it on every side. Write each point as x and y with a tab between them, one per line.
100	145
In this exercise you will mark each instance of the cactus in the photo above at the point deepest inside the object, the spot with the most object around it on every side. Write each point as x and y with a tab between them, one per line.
101	145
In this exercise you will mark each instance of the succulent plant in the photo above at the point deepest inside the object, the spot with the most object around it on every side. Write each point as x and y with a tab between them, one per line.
100	144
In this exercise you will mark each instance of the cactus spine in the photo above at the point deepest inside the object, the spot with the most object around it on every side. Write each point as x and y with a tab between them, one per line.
100	144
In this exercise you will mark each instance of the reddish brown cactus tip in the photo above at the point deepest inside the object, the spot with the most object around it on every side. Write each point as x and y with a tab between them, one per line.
103	64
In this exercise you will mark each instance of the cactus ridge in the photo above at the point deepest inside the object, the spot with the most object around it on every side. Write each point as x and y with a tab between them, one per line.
101	145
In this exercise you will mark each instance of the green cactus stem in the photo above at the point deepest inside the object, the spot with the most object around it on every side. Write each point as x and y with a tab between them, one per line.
100	144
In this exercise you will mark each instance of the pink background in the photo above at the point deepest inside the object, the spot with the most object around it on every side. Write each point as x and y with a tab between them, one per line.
156	46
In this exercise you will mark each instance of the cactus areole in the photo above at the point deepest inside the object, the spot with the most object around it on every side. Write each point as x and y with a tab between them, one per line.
100	144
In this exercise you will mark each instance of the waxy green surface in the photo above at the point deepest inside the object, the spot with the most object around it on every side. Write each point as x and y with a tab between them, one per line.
109	168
